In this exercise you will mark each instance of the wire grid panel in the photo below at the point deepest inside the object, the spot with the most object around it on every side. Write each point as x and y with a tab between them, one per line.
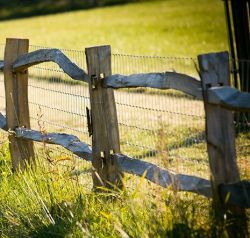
57	103
164	126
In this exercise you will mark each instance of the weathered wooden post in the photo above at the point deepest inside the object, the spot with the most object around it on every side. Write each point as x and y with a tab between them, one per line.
105	133
220	132
17	107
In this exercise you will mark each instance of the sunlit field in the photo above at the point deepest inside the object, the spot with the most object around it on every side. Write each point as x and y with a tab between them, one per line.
164	28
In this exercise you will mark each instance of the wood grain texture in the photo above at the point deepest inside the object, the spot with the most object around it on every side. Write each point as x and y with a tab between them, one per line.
17	108
237	193
229	98
105	138
50	55
163	177
214	69
1	65
220	134
167	80
69	142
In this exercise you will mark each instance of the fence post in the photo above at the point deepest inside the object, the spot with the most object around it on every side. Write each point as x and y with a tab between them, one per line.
105	133
220	132
17	107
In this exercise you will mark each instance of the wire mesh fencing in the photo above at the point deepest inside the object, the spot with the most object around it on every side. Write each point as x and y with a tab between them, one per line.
58	104
165	127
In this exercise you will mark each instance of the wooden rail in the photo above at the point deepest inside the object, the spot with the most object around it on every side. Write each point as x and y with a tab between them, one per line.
229	98
167	80
25	61
69	142
163	177
1	65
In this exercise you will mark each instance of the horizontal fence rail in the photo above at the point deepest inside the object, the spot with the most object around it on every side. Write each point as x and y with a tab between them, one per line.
1	65
3	124
229	98
167	80
50	55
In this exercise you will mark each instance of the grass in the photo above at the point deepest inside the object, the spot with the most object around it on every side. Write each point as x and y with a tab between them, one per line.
164	28
55	200
50	202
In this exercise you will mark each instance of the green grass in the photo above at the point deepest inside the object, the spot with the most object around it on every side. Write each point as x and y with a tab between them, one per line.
165	28
55	200
50	202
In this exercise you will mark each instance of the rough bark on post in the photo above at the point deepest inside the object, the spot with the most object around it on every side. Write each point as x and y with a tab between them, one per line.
105	138
17	108
214	69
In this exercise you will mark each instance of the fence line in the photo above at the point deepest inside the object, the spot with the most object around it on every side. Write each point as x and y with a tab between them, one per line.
107	161
156	104
144	105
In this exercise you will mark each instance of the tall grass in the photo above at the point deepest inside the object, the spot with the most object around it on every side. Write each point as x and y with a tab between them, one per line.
50	202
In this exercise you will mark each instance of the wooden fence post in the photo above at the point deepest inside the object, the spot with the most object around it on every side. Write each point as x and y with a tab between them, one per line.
214	69
17	108
105	133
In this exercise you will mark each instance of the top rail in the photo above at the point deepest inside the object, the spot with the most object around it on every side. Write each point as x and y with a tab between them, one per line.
25	61
167	80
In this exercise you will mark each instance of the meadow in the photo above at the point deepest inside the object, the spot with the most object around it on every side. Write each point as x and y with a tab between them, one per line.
163	28
56	198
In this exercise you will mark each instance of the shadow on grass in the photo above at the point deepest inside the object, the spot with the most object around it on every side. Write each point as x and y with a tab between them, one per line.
63	223
181	230
15	9
186	143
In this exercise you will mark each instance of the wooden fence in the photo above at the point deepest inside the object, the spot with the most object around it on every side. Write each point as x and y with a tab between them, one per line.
230	195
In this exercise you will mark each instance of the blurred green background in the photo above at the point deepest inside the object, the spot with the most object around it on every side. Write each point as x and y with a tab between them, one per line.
156	27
